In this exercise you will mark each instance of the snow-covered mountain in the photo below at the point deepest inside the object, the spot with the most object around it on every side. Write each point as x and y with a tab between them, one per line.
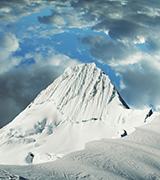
80	106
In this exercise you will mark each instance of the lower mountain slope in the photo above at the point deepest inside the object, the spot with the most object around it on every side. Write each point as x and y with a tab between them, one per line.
136	156
78	107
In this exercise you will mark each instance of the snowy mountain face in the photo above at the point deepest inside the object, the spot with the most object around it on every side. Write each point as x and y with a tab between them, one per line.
80	106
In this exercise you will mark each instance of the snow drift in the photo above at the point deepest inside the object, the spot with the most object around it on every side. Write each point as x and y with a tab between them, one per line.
80	106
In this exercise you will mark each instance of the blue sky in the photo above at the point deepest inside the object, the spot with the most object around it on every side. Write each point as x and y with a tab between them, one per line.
39	39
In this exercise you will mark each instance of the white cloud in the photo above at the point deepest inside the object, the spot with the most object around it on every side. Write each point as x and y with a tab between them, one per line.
139	40
54	19
140	82
41	32
75	20
52	58
5	9
9	44
58	31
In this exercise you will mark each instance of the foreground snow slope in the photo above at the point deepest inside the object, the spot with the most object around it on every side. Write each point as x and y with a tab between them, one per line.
134	157
80	106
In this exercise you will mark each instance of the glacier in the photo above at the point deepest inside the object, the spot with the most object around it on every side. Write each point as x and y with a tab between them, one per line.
80	106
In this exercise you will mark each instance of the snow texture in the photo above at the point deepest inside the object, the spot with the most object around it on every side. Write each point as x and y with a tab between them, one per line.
134	157
78	107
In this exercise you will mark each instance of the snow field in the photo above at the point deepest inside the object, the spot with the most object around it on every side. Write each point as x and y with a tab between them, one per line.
78	107
136	156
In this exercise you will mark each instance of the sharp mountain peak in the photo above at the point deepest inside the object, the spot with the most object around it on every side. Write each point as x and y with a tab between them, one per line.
80	106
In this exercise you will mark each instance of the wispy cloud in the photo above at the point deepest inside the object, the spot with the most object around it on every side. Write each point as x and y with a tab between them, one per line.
48	34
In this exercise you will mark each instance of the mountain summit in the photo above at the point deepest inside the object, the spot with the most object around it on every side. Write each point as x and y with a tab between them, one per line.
80	106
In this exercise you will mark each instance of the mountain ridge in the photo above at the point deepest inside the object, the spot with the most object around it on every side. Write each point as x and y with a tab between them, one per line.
87	95
80	106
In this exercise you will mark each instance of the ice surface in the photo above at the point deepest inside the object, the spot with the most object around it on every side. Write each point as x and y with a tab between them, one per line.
78	107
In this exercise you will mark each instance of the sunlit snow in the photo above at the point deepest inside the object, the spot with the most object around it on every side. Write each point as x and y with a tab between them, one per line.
78	107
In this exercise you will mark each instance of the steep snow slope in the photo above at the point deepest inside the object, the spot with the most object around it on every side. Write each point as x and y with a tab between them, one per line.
80	106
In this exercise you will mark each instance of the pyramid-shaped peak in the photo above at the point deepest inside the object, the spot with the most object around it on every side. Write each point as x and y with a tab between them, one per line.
88	65
81	89
80	106
80	79
79	67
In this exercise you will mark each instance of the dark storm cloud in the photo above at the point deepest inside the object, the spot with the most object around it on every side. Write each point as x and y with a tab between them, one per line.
145	20
108	51
142	83
12	26
153	43
19	88
123	20
119	29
